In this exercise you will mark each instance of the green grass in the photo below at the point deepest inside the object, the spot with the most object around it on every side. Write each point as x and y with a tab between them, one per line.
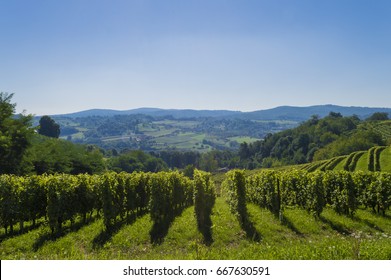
385	159
299	236
341	164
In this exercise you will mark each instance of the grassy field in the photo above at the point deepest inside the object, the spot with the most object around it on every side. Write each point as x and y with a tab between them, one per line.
298	236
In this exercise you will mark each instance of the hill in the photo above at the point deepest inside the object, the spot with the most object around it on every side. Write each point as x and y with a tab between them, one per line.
304	113
153	129
316	139
154	112
290	113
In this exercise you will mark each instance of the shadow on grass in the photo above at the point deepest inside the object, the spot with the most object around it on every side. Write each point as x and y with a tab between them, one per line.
160	228
385	216
107	234
248	226
368	223
289	224
335	226
19	232
66	230
206	231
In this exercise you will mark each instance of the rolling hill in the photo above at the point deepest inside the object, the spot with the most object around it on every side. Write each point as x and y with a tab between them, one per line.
200	130
292	113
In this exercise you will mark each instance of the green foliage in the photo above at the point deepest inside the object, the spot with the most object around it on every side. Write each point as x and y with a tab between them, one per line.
376	160
48	127
293	186
15	134
358	141
204	200
371	159
235	190
378	193
378	116
348	162
314	139
208	162
66	198
136	161
236	195
332	163
49	155
112	194
356	157
264	190
170	192
61	199
341	192
316	195
8	201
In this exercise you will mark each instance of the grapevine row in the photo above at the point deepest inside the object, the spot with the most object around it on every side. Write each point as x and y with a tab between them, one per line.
343	191
61	198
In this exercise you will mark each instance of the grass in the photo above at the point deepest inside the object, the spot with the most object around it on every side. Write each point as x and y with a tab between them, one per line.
298	236
385	159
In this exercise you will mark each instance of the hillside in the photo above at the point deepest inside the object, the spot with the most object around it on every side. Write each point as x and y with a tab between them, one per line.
377	158
317	139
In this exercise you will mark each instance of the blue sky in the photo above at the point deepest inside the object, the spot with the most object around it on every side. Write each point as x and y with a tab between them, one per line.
67	56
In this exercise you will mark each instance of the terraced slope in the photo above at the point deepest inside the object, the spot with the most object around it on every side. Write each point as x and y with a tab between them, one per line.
375	159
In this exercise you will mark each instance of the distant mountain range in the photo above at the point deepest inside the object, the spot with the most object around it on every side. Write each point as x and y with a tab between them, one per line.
279	113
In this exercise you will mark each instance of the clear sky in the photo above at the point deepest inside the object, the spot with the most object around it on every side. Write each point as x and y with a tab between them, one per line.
67	56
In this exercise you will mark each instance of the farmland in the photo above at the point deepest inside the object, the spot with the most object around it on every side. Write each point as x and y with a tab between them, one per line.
166	133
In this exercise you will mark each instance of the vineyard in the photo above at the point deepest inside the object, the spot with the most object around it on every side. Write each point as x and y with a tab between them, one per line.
271	214
375	159
381	127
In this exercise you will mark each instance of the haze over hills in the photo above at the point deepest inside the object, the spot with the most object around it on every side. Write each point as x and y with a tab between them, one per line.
291	113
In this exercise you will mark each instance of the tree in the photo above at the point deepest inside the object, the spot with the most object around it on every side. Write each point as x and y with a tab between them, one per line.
378	116
15	133
50	155
48	127
136	161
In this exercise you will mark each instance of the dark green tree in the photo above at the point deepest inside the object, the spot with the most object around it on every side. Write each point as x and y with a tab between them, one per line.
136	160
15	134
378	116
48	127
50	155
